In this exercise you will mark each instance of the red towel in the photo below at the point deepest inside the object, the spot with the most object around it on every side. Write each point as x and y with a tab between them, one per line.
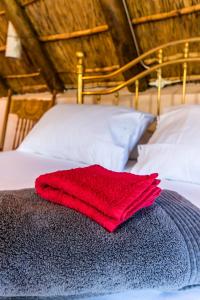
107	197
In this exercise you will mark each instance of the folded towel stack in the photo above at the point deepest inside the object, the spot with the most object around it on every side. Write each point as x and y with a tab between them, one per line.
107	197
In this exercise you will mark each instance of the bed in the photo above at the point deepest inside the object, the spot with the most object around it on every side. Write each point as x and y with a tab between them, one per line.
42	152
32	165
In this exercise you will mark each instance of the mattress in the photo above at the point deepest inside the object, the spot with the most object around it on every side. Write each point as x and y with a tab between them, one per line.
19	169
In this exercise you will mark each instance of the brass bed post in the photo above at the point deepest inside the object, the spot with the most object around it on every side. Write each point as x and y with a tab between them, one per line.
186	53
159	76
80	56
161	63
136	102
6	119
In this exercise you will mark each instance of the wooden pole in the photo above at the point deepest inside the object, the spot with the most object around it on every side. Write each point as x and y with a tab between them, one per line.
31	44
5	122
72	35
166	15
20	76
121	34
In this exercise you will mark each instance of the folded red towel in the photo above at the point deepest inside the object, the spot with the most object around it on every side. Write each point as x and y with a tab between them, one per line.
107	197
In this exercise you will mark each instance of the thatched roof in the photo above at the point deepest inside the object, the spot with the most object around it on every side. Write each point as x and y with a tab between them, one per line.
52	31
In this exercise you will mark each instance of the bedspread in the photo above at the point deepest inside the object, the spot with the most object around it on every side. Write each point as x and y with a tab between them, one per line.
49	250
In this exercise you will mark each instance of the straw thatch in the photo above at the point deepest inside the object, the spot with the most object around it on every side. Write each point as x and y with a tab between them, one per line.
63	27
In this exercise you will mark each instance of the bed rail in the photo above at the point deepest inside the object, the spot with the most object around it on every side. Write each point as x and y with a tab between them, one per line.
160	63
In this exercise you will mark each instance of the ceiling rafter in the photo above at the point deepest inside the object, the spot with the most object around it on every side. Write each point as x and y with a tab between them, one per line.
167	15
31	44
120	31
3	12
75	34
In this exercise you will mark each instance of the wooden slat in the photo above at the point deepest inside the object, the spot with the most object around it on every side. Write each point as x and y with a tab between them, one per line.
28	113
96	84
21	76
21	132
15	136
34	88
72	35
25	128
93	70
5	122
89	70
29	40
166	15
102	70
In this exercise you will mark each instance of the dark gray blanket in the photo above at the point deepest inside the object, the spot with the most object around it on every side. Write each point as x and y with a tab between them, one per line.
48	250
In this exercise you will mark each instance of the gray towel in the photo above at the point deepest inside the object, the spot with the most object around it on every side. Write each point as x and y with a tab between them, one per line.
49	250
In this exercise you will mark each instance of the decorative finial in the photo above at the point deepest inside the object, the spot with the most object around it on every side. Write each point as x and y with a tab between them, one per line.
79	54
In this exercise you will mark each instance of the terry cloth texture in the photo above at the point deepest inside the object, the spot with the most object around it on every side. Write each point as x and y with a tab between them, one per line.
49	250
107	197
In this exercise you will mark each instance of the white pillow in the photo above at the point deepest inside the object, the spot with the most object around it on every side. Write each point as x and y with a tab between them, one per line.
173	150
92	134
180	125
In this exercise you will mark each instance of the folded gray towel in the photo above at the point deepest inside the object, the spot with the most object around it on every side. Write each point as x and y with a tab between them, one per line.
48	250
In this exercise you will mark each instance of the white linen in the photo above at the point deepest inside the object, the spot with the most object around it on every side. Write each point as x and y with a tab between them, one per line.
152	295
179	125
188	190
175	162
18	170
173	150
65	130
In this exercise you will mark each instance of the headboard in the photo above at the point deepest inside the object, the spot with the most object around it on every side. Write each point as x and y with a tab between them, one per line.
160	63
27	112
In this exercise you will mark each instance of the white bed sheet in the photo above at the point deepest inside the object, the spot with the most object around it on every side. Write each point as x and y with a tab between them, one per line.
18	170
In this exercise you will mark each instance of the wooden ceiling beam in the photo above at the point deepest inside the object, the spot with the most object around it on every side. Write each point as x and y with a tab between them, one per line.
30	43
75	34
121	34
21	76
3	82
167	15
